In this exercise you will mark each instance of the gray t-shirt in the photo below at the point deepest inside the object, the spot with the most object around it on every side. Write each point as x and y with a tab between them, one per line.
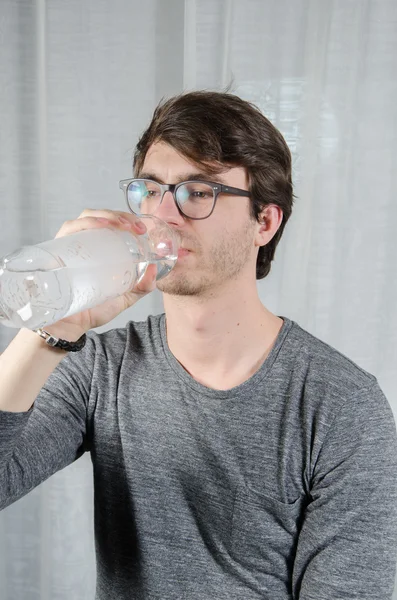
283	487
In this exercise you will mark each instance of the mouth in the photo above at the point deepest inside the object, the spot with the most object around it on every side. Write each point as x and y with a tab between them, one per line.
183	252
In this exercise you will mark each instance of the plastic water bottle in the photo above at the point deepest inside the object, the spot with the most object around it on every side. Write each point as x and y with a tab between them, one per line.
41	284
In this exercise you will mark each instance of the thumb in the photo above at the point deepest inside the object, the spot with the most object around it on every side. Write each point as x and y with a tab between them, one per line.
148	281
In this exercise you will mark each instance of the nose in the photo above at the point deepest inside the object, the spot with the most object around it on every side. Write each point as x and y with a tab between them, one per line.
168	210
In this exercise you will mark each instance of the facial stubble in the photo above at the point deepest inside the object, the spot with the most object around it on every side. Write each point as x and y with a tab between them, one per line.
227	257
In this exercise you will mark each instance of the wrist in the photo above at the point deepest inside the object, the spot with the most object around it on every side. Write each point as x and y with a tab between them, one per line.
54	342
63	332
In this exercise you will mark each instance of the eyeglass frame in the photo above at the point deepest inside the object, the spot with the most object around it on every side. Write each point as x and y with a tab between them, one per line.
218	188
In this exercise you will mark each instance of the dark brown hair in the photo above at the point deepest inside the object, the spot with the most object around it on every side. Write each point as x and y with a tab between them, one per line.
218	130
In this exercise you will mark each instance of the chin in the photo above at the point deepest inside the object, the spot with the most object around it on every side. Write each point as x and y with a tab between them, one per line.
179	285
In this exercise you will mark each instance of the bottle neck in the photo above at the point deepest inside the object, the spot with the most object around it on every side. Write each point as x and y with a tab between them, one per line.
138	246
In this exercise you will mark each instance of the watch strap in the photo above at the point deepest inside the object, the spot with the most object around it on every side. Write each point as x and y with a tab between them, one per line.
55	342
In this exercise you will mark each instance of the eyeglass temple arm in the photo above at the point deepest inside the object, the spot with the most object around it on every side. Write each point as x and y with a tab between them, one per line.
226	189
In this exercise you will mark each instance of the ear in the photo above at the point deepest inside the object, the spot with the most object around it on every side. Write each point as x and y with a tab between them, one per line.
269	221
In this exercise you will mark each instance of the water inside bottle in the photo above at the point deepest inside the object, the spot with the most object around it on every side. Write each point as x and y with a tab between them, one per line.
33	299
42	284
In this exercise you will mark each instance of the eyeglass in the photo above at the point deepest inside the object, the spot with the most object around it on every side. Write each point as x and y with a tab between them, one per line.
194	199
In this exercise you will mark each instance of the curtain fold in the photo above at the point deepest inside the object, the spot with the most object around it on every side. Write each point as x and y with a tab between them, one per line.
79	83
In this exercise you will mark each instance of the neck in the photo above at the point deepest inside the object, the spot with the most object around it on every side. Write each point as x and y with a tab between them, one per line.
223	340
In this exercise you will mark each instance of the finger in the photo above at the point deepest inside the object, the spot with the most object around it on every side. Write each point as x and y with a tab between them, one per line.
84	223
123	219
145	286
97	222
148	282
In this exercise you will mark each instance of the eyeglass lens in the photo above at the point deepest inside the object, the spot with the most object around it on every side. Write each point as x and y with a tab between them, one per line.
195	199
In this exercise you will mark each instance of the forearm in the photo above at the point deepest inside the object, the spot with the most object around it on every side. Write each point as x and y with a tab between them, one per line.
25	366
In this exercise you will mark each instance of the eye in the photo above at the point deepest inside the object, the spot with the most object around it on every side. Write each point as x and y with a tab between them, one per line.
200	194
195	192
151	189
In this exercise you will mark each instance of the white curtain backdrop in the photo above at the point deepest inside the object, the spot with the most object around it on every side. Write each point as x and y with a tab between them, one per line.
79	81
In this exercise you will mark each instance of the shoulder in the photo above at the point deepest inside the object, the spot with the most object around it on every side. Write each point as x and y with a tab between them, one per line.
334	388
327	373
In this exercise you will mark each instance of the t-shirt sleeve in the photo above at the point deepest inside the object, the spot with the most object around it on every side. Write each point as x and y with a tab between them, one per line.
347	547
52	433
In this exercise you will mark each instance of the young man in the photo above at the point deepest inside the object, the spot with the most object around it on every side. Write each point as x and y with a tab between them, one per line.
235	455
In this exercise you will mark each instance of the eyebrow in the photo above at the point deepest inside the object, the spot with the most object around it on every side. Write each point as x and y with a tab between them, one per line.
184	177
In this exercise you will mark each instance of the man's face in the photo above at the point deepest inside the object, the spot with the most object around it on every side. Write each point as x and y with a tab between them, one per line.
220	248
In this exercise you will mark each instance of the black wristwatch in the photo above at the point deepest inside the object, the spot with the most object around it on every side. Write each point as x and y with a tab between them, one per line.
55	342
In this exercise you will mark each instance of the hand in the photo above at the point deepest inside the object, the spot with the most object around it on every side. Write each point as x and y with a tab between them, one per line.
73	327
